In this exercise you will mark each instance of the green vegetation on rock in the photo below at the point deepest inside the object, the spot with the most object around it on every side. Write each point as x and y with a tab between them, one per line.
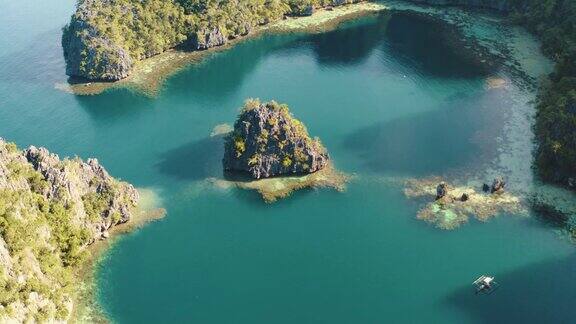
268	141
105	38
554	21
50	211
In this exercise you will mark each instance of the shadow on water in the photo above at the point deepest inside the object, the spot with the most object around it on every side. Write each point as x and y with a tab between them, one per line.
197	160
352	43
223	73
115	104
431	46
456	135
540	293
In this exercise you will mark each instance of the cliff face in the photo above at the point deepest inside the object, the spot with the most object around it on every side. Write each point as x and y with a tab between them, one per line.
90	54
267	141
106	38
50	210
498	5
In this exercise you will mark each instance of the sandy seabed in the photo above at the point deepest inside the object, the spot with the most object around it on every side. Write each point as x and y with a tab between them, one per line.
450	212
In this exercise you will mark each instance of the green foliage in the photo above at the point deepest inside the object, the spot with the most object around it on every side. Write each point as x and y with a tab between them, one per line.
281	135
23	216
234	17
143	28
11	148
287	161
554	21
250	104
254	159
95	204
24	171
45	239
239	145
302	7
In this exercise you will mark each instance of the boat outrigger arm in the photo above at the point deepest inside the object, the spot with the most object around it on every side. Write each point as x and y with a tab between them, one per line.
485	284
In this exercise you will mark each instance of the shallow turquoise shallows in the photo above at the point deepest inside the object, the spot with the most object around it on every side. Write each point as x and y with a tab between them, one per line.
392	97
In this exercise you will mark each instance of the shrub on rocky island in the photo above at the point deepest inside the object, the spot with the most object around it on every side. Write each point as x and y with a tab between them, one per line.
268	141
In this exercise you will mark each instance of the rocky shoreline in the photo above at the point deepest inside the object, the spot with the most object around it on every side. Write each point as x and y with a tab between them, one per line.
147	75
105	39
52	210
270	151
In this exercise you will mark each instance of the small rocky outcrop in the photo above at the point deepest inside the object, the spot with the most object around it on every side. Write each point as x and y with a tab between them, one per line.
441	190
268	141
454	205
497	185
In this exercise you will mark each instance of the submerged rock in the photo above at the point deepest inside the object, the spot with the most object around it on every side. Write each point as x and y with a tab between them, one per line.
497	185
441	190
272	189
459	203
268	141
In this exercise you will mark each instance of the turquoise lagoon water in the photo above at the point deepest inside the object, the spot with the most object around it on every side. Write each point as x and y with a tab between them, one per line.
392	97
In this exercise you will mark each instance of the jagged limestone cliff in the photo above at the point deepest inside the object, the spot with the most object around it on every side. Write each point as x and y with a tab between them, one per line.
50	211
268	141
106	38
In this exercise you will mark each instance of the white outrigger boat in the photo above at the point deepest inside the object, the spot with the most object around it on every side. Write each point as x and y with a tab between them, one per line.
485	284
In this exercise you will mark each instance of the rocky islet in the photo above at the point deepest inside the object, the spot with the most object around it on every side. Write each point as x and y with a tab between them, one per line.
268	141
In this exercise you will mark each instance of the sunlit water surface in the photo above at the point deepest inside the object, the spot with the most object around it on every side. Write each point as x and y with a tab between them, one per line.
392	97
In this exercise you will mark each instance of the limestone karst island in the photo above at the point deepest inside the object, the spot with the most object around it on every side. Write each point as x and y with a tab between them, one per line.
276	153
407	161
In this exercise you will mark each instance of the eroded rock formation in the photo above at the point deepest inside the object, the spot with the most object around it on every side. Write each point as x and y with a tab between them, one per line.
268	141
106	38
90	54
51	209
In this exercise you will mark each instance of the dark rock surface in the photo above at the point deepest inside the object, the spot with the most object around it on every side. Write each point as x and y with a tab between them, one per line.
268	141
441	190
497	185
87	53
72	182
51	209
207	38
